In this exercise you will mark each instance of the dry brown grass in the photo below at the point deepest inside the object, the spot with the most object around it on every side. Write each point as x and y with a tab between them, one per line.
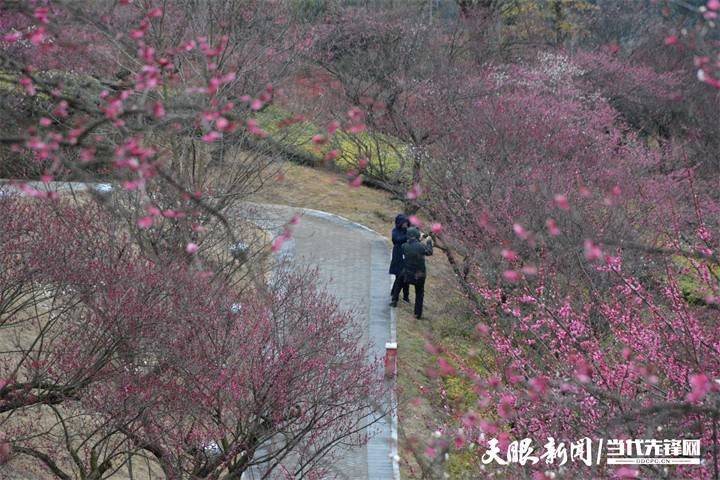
321	190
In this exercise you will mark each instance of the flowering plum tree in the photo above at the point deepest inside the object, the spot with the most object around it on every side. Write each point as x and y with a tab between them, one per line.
116	359
390	68
175	114
576	247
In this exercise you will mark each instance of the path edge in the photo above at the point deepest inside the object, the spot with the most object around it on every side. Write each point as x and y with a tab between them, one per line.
394	455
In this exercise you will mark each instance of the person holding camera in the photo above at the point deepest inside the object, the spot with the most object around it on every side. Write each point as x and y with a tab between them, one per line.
414	271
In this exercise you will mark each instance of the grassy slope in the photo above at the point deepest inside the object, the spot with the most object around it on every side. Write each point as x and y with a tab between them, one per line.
322	190
350	147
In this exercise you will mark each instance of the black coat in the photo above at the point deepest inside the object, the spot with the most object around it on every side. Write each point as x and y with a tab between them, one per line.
399	237
414	253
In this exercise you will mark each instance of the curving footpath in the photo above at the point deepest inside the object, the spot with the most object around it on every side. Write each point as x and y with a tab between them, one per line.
352	262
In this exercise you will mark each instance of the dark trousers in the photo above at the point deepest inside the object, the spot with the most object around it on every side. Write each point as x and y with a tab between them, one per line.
400	285
419	291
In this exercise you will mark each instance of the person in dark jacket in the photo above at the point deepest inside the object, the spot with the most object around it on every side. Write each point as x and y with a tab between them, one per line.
414	271
399	237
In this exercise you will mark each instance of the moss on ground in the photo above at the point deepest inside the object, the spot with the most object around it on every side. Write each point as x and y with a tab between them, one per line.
692	285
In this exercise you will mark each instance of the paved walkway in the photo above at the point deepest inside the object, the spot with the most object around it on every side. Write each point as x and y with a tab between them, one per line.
352	263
